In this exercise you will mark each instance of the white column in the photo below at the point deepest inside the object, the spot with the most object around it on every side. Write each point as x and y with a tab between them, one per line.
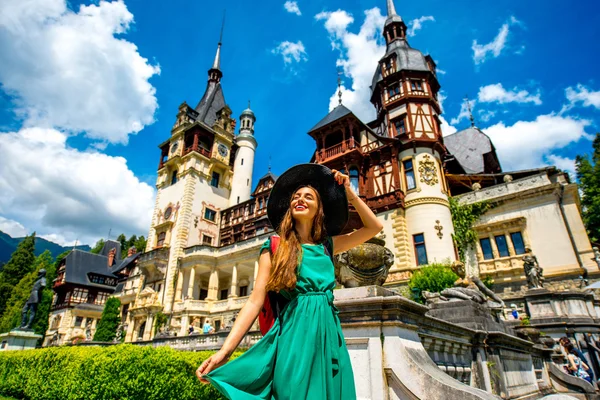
253	278
179	285
185	322
130	330
213	285
190	288
234	282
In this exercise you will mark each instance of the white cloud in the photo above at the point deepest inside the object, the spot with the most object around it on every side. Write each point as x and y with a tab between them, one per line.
446	128
62	191
291	52
497	93
67	69
481	52
292	7
485	115
581	94
359	54
464	111
13	228
416	24
563	163
530	144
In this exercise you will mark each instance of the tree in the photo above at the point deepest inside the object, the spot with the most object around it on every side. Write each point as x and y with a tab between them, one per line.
21	292
19	265
431	278
140	244
588	175
98	247
109	322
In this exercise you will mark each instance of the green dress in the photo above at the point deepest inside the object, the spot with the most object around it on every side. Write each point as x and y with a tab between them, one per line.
302	357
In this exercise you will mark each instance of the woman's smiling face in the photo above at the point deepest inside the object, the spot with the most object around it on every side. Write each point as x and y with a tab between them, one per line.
304	204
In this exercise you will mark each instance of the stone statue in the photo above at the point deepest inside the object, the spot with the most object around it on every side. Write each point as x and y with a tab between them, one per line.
33	301
54	341
596	256
88	330
533	271
466	288
119	334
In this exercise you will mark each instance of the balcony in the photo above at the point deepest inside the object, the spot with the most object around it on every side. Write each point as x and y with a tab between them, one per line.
153	264
207	306
338	149
387	201
201	150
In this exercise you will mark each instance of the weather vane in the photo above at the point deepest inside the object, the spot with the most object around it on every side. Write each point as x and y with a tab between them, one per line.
339	81
470	111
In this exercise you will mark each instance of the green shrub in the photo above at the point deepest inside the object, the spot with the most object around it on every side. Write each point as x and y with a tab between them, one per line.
124	372
431	278
109	322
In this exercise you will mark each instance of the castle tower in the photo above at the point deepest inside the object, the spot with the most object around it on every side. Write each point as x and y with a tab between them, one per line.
405	95
244	159
194	182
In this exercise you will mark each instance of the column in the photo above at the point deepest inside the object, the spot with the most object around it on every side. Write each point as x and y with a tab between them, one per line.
185	322
253	278
190	288
179	285
148	327
213	285
234	282
130	330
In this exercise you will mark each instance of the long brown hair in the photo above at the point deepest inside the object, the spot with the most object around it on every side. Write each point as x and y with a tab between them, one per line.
288	255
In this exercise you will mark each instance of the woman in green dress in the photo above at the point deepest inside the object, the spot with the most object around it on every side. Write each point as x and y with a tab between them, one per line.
303	356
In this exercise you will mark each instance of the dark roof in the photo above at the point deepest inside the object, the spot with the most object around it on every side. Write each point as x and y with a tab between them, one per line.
474	150
79	264
335	114
123	264
269	175
407	59
108	246
211	103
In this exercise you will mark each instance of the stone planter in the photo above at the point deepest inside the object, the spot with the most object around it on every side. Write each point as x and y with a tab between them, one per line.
528	333
364	265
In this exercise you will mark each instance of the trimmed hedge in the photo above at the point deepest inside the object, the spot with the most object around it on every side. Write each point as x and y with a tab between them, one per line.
124	372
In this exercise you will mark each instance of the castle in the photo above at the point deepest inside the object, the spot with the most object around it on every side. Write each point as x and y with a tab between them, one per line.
210	219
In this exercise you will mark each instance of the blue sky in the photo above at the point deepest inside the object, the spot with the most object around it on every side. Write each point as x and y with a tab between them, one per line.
88	93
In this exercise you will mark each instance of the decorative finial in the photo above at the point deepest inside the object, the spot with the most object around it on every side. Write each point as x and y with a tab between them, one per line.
269	163
248	103
222	26
470	111
217	62
339	80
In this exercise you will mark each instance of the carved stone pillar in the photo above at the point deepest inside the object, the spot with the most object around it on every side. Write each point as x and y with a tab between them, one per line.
148	327
213	285
179	285
190	288
234	282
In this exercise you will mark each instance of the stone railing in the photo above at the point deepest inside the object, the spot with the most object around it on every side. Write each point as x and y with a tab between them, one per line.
212	341
232	303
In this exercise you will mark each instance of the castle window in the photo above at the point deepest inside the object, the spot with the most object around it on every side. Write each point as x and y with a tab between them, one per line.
420	250
203	294
400	125
393	90
243	291
416	86
517	241
242	162
210	215
260	204
409	174
486	248
215	179
78	321
238	200
207	240
174	178
224	294
160	239
502	245
247	182
354	179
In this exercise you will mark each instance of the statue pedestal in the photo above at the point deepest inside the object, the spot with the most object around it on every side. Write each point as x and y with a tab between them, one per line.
19	340
468	314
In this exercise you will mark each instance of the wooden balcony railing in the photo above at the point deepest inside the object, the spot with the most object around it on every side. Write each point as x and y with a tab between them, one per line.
201	150
338	149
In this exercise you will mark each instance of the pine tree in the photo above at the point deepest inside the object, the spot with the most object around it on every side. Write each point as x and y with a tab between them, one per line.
12	315
588	175
19	265
140	244
109	322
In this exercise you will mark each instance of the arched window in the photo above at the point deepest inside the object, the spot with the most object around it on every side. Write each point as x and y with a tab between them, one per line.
161	239
174	178
354	179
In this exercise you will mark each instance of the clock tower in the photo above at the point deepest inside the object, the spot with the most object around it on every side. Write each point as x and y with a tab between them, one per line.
195	176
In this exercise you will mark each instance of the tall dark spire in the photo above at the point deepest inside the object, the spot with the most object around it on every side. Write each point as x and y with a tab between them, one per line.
394	27
215	74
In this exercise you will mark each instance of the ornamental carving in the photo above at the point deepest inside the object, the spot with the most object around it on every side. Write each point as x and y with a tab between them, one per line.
427	171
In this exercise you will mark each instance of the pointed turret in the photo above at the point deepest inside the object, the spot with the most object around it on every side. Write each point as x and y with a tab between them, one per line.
394	27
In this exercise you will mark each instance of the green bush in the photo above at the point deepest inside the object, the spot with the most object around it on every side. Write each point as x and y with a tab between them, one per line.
431	278
124	372
109	322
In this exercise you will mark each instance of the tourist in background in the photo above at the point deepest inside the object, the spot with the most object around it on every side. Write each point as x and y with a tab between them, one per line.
576	363
207	328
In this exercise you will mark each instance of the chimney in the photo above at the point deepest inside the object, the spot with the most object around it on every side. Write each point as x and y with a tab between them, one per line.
132	251
111	257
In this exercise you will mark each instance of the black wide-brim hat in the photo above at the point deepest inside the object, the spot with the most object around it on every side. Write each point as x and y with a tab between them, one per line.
333	195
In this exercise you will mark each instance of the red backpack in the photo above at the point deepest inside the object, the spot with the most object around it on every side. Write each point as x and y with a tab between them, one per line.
274	301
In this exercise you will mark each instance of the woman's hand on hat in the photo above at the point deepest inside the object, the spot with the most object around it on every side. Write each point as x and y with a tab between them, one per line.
341	179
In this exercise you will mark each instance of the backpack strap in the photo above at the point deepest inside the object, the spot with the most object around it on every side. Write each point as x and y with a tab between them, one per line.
328	246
